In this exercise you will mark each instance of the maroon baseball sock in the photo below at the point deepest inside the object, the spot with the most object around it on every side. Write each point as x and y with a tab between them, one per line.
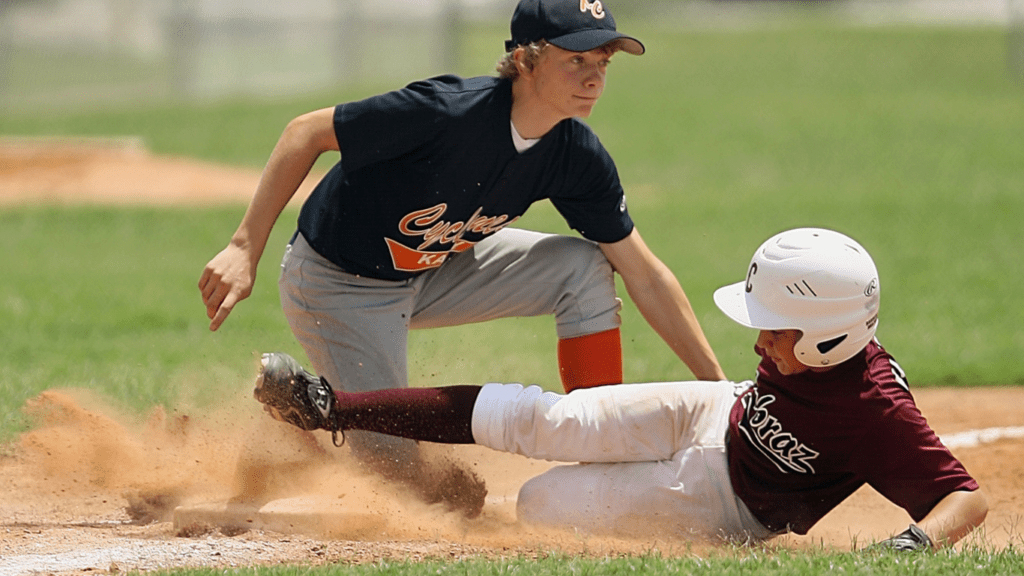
441	415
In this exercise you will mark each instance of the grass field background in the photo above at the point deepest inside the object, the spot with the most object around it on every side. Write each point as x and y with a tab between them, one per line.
784	564
908	139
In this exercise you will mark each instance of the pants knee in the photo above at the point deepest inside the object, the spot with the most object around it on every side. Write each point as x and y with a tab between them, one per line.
559	498
534	503
589	304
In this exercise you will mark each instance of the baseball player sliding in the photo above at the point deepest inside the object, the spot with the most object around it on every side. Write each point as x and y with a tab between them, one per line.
829	411
412	228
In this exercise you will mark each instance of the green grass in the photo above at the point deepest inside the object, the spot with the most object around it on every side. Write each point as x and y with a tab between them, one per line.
106	299
762	563
907	139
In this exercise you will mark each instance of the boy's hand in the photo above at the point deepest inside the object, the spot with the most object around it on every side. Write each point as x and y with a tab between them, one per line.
911	539
226	280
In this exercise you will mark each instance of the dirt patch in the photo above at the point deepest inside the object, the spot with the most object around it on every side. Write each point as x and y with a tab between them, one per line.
117	170
89	490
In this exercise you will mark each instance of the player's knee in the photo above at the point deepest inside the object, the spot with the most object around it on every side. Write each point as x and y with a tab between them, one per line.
559	498
585	260
589	303
534	504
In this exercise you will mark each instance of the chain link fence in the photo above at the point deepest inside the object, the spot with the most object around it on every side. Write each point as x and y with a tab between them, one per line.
82	53
94	52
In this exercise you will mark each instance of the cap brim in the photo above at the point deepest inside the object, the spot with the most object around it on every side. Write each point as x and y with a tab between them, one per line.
734	302
586	40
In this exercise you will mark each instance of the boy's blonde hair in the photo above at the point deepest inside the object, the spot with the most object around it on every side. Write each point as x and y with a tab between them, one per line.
507	68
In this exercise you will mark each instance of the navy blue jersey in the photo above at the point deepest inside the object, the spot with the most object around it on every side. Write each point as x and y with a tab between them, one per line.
431	169
801	444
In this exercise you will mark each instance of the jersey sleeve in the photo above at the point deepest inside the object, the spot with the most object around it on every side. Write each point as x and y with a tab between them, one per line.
388	125
910	466
592	200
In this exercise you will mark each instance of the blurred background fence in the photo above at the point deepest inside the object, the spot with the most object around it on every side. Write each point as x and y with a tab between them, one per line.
82	53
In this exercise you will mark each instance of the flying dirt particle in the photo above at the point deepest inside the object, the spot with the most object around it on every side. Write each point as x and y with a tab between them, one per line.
458	488
145	508
232	531
195	530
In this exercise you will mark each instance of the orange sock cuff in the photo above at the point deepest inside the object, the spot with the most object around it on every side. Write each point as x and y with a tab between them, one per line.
591	360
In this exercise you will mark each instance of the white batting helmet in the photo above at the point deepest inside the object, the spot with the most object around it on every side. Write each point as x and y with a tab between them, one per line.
818	281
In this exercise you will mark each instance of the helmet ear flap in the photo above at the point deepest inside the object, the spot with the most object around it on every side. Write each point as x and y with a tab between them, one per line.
814	352
829	349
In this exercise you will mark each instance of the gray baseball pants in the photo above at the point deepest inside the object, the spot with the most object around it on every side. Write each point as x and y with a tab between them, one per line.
355	329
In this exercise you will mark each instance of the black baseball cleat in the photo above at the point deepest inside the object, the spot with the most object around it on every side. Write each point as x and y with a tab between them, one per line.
291	394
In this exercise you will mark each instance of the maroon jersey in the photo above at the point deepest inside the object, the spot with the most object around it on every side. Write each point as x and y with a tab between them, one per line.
799	445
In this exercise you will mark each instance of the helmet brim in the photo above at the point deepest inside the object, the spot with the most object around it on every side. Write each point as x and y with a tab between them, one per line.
733	300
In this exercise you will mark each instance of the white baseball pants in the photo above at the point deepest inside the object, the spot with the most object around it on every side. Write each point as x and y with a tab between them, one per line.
653	457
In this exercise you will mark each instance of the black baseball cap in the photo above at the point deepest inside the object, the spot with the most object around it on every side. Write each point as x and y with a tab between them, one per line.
574	25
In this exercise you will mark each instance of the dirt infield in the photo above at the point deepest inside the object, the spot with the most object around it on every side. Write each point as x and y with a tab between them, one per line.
89	490
115	170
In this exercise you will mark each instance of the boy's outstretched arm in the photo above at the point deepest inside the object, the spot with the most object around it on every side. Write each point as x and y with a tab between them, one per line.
954	517
663	303
950	520
229	276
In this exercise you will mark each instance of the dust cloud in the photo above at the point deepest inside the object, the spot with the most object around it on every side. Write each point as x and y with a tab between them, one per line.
81	443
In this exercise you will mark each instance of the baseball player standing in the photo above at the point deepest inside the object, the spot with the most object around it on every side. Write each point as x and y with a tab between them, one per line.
412	227
830	411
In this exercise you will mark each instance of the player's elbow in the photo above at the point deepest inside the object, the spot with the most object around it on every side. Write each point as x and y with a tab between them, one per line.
975	511
970	512
313	131
979	508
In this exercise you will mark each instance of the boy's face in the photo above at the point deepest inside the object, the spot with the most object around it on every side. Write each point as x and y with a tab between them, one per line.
778	345
569	83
